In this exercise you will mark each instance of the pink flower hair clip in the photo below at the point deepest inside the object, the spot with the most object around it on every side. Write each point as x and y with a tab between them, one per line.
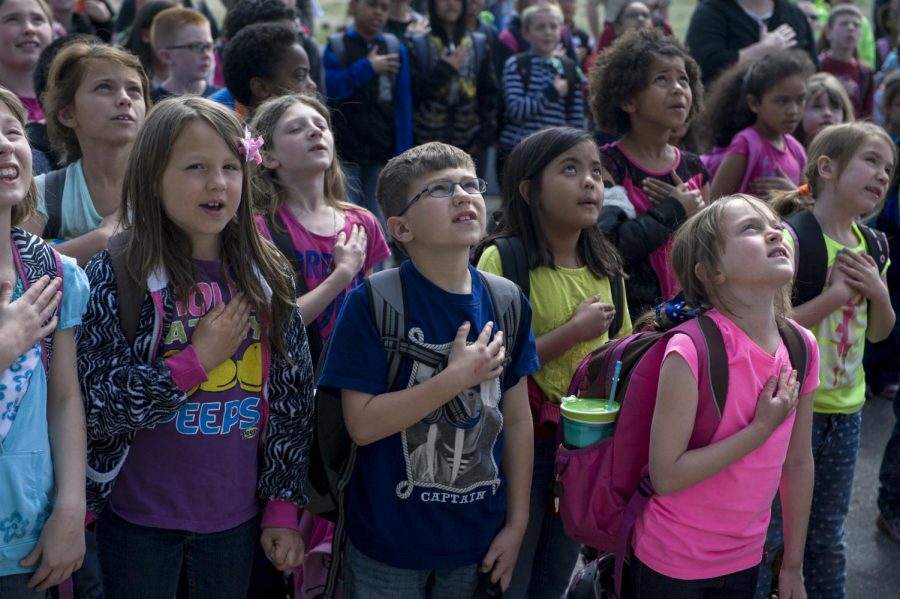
250	146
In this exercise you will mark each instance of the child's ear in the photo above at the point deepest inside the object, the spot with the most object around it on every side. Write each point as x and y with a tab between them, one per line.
260	89
629	106
825	167
396	226
525	189
66	116
164	56
710	278
753	103
269	161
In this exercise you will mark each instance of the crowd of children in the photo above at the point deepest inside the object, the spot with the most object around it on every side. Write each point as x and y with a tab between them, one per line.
204	221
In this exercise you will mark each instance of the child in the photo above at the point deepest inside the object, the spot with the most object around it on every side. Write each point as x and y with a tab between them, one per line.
24	33
512	39
182	40
540	89
553	194
752	111
204	416
581	40
702	533
96	99
403	21
367	78
263	61
827	103
839	41
300	191
137	41
644	87
444	456
91	17
848	173
455	93
301	188
41	417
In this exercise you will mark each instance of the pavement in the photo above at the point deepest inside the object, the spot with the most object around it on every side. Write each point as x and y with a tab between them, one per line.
873	568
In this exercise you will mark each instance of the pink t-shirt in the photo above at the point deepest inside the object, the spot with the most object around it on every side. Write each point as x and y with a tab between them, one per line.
791	160
33	108
718	526
315	253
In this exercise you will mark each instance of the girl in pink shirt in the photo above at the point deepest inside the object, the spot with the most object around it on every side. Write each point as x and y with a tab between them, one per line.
702	534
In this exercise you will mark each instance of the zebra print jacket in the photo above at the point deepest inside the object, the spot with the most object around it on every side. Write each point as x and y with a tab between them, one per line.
126	389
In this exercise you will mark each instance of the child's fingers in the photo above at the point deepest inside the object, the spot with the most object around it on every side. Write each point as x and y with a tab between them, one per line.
462	333
48	327
50	307
485	335
676	179
769	389
490	558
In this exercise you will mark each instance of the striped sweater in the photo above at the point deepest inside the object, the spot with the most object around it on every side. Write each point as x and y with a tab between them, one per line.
539	106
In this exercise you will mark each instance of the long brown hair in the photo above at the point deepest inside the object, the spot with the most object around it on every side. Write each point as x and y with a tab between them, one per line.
156	242
27	207
269	190
839	143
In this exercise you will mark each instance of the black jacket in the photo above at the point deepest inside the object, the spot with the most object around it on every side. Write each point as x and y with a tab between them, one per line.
720	28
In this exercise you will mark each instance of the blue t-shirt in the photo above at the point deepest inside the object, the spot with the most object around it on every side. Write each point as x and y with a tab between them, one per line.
434	495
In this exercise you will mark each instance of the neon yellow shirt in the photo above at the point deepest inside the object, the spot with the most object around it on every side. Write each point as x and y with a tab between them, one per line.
554	295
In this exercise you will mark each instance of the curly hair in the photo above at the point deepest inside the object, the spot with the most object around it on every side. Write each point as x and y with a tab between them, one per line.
727	110
620	72
254	52
250	12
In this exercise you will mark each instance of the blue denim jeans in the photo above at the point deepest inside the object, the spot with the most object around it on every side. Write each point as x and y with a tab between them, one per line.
139	562
649	584
889	492
16	587
361	185
548	555
835	444
366	578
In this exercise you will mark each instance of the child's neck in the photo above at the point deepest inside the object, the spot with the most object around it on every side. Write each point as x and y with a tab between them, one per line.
18	82
842	54
7	264
445	268
472	23
449	29
104	171
564	246
776	138
399	11
649	145
755	316
835	220
180	87
304	195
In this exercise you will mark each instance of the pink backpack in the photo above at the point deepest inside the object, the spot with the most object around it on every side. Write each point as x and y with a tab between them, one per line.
602	489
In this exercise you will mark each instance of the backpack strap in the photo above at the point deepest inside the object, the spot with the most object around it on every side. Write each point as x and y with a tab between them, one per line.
617	291
798	352
876	244
131	292
282	240
523	64
336	43
479	43
506	299
422	49
513	262
716	360
387	303
393	44
811	269
54	184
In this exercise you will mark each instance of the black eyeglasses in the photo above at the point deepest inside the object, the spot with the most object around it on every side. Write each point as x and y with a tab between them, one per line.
196	47
444	189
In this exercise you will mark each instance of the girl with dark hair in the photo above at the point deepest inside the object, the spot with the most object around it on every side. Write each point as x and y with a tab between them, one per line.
752	112
552	196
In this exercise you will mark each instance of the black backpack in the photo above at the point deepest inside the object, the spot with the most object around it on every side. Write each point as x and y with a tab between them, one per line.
333	453
809	280
54	184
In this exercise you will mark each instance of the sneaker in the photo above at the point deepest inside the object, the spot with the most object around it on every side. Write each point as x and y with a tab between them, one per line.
890	527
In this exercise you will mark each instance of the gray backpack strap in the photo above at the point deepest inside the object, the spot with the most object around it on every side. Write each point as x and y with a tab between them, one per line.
336	43
388	306
393	44
479	41
131	293
506	298
54	184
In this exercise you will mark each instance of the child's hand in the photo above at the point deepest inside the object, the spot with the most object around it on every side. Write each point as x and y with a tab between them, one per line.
59	550
478	362
790	584
350	253
561	85
862	275
592	318
420	27
502	554
221	332
97	11
657	190
30	318
764	186
775	404
560	50
838	283
782	38
110	224
384	64
284	548
456	59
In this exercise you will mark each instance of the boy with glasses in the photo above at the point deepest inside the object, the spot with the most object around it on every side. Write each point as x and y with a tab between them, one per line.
182	40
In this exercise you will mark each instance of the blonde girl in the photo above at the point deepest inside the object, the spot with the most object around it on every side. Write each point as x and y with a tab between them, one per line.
201	422
42	297
25	30
827	103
